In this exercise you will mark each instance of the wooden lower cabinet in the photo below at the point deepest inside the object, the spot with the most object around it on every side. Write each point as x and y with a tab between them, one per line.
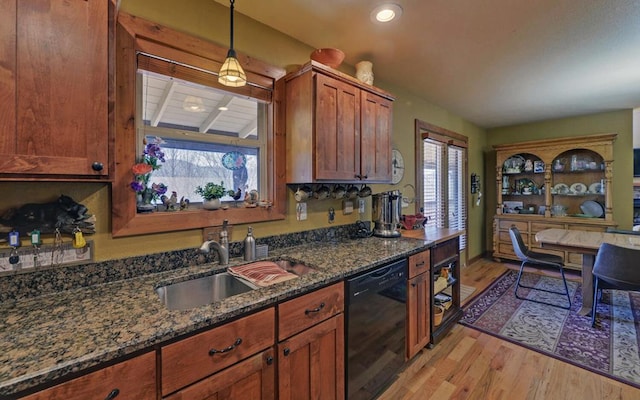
418	313
134	379
311	353
418	303
311	363
251	379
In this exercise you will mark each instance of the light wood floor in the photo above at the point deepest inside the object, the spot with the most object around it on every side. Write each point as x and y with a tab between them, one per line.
468	364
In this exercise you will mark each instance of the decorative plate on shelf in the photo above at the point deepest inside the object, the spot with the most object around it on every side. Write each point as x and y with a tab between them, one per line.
578	188
561	188
595	187
592	208
234	160
514	165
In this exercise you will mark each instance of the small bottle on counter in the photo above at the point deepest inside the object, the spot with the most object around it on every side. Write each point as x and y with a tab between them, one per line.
249	246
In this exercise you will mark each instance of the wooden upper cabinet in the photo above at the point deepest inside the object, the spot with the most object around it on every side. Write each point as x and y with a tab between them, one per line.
338	129
337	125
54	71
375	142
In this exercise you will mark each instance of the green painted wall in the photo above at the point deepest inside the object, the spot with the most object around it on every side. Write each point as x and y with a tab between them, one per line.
619	122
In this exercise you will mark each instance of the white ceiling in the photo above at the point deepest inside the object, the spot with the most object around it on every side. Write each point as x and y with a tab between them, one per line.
492	62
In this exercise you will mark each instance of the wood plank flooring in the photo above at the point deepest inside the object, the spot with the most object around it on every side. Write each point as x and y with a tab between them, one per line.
468	364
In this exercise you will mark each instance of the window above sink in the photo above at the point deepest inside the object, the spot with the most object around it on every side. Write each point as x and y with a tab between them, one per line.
193	63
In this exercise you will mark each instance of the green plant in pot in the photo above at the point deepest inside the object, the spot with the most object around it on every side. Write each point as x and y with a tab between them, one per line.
211	193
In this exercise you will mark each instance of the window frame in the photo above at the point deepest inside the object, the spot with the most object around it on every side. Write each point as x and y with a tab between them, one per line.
135	35
425	130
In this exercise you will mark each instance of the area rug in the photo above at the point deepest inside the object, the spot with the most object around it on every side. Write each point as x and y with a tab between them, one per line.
611	349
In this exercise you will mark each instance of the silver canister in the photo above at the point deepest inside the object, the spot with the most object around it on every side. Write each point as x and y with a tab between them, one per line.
386	212
249	246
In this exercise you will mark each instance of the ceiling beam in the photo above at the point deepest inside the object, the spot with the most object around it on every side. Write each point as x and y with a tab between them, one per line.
162	104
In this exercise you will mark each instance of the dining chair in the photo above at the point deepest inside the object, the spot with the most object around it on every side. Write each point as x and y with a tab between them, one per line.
615	268
531	257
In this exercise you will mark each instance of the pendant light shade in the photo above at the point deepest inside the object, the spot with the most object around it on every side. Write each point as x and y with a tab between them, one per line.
231	73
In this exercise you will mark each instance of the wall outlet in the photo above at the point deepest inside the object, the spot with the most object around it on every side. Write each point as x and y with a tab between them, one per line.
301	211
361	206
347	207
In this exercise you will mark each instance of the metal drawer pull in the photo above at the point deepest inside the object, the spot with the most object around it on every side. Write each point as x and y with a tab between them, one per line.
420	264
226	349
315	310
113	394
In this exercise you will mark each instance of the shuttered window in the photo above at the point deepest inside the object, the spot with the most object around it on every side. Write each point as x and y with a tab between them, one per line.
441	177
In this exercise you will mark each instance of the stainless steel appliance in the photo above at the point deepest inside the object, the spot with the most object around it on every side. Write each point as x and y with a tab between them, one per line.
386	211
376	312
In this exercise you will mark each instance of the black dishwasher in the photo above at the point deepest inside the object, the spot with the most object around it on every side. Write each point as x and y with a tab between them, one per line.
376	318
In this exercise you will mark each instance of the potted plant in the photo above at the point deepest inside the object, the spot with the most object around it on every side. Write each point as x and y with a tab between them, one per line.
211	193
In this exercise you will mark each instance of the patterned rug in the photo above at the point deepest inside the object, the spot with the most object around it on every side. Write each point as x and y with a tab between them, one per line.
611	349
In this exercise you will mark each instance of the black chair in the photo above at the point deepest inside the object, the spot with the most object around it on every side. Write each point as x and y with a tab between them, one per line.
615	268
532	257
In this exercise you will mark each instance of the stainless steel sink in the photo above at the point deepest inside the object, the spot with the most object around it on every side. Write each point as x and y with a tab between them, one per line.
201	291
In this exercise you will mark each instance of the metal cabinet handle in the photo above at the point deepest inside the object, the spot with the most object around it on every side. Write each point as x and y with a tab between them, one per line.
97	166
226	349
286	351
269	360
420	264
315	310
113	394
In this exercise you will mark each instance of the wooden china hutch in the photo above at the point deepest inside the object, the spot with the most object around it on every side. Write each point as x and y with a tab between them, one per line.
560	183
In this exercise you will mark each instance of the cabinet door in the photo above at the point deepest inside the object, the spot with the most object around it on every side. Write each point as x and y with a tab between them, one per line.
375	143
418	313
337	133
251	379
55	115
133	379
311	363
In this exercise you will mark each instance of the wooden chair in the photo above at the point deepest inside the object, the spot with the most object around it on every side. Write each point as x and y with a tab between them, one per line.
615	268
527	256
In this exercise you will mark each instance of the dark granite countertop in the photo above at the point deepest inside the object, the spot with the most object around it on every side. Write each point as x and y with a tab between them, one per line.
50	336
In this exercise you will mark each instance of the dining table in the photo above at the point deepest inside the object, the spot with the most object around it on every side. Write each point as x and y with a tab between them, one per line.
586	243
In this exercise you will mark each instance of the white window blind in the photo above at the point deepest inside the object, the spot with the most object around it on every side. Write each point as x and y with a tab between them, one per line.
457	209
443	186
433	184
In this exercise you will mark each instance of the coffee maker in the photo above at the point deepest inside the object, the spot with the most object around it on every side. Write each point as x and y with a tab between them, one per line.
386	212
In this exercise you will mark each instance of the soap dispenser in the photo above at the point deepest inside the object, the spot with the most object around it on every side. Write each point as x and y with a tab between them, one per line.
249	246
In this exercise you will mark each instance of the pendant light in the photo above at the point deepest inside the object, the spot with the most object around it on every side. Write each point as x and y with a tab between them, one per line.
231	73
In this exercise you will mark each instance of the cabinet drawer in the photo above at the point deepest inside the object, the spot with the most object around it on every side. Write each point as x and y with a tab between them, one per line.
506	224
539	226
299	314
504	248
133	379
503	236
443	251
199	356
419	263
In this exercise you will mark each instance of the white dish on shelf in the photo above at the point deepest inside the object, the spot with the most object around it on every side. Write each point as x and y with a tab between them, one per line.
578	188
592	208
595	187
514	165
561	188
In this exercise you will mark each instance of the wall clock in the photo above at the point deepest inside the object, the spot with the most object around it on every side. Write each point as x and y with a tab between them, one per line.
397	166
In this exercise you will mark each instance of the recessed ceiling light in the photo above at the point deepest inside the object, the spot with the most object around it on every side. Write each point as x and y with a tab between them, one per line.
386	12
